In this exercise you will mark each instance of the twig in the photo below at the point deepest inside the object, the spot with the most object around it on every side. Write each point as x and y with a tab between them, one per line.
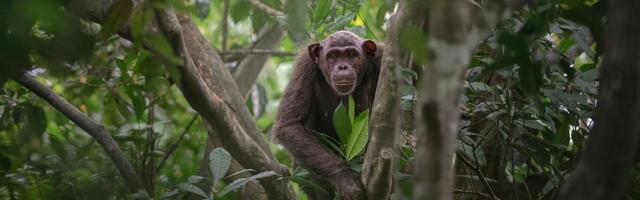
478	172
258	51
266	8
563	150
175	145
484	195
225	24
97	131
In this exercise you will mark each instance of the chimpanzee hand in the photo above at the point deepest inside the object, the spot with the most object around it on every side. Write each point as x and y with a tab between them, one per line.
349	186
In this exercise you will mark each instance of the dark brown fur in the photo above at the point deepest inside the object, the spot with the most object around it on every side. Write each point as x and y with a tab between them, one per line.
308	104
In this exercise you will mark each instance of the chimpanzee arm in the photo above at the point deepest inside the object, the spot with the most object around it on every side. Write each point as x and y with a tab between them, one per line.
295	110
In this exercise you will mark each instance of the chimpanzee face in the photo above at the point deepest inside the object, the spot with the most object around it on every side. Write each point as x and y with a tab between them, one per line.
342	65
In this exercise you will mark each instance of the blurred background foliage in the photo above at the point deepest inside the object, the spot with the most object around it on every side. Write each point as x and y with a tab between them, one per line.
529	94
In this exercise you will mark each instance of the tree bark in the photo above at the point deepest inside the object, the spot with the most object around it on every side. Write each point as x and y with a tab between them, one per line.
609	152
378	169
246	73
439	91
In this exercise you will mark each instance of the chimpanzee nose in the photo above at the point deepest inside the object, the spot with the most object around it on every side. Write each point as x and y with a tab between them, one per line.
342	67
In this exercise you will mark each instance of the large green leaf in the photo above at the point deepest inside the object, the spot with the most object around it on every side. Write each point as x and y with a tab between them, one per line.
359	136
137	99
352	108
192	189
342	124
321	10
240	11
219	162
238	183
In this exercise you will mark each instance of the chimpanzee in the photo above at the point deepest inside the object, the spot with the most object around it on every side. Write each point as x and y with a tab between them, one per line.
325	74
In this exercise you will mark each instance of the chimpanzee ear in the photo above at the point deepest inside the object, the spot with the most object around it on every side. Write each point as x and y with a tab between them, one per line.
369	47
314	50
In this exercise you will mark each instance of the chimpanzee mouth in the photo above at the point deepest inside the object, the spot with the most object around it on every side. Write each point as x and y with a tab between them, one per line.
344	83
344	88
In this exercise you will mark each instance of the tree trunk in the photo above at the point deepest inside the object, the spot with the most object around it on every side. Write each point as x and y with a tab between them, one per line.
378	169
609	152
455	28
438	96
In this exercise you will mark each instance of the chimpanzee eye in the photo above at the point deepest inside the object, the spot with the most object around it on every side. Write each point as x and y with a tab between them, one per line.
331	57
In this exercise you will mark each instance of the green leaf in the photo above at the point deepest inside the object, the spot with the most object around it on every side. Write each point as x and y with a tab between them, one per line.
240	11
195	179
118	15
171	194
163	47
203	7
258	20
530	75
533	124
333	144
341	123
138	100
413	38
241	171
296	20
562	133
34	123
352	108
238	183
193	189
359	135
340	22
321	10
219	162
120	105
307	183
382	10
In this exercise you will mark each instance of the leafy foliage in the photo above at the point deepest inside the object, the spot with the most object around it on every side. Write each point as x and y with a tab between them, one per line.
353	132
529	95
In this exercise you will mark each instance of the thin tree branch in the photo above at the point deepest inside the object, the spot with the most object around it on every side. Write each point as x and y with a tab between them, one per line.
269	52
246	73
225	25
478	171
174	146
484	195
266	8
97	131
